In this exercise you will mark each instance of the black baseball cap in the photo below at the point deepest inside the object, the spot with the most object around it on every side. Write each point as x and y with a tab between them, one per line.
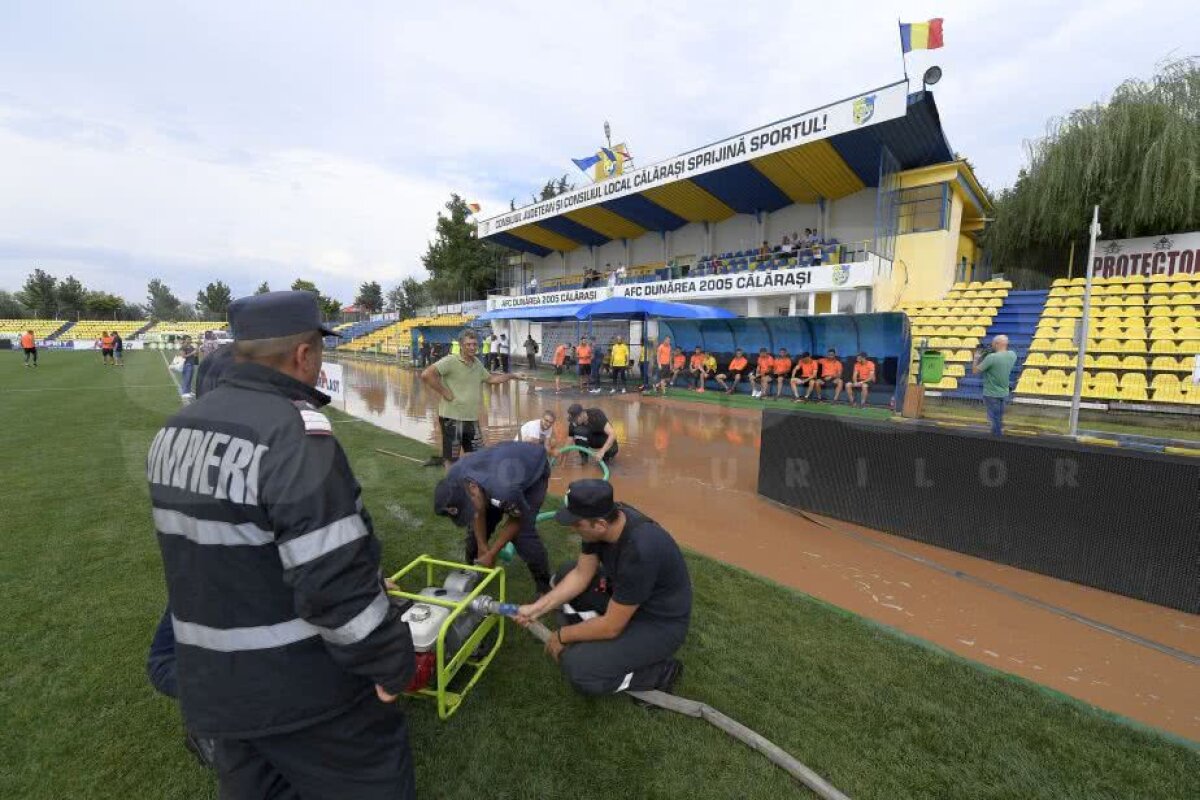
275	314
451	494
587	499
574	410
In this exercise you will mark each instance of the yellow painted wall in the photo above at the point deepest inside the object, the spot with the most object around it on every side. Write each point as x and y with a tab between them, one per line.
924	264
968	248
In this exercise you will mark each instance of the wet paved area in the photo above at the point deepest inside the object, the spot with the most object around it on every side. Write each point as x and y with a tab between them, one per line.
694	467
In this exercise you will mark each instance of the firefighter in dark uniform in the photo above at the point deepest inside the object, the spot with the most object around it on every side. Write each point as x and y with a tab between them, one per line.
505	482
288	650
625	605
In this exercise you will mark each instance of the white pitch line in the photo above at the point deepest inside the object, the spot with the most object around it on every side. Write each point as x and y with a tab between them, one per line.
90	388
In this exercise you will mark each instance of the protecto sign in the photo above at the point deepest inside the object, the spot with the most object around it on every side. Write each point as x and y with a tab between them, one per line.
329	381
1171	254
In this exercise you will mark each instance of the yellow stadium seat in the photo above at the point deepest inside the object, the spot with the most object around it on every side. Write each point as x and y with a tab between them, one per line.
1039	344
1169	394
1134	345
1188	333
1134	362
1054	375
1133	394
1159	288
1078	281
1165	380
1162	346
1108	361
1108	346
956	370
1058	282
1129	379
1060	360
1159	300
1037	360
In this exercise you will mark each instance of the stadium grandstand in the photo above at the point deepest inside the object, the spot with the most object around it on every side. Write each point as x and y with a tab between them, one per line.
91	329
42	328
393	336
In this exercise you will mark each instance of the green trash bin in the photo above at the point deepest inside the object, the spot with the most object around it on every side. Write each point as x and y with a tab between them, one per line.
933	365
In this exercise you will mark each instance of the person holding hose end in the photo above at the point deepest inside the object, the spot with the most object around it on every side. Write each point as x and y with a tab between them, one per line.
625	604
505	483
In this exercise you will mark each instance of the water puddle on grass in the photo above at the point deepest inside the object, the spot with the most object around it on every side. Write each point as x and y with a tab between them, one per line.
694	468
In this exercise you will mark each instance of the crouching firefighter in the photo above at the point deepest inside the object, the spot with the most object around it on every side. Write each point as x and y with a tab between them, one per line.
505	483
624	605
288	650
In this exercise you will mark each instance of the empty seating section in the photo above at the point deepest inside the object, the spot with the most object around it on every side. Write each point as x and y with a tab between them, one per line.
642	273
348	332
86	330
193	328
955	326
393	336
1143	335
41	327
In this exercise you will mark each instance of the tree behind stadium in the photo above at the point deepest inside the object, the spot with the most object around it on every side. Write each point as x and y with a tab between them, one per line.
213	302
461	267
370	297
161	302
1138	157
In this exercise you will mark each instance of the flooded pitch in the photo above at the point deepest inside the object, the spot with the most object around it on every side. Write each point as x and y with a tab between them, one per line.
694	467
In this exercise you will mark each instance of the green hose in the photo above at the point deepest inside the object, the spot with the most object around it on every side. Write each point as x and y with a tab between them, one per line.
587	451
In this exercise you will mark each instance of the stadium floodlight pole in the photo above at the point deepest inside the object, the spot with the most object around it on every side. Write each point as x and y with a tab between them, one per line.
1081	334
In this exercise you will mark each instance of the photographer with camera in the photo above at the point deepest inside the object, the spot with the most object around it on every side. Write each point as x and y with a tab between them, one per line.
996	364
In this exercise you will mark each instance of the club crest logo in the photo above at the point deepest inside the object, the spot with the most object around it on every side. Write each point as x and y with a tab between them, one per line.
864	109
840	275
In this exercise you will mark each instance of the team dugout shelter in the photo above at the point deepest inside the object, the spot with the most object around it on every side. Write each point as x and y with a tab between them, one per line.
896	218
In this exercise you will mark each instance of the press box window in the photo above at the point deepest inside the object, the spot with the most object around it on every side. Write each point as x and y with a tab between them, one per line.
923	208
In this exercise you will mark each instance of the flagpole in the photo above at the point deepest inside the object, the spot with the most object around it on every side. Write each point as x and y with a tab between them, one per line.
903	58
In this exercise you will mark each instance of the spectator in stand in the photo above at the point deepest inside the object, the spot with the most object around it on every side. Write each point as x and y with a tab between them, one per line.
696	368
862	378
583	356
531	351
737	370
533	285
619	358
764	373
764	252
621	273
996	365
782	368
785	247
831	375
804	374
503	351
662	364
811	237
560	359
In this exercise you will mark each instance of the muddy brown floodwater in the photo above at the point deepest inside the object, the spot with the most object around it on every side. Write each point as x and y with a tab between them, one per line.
694	467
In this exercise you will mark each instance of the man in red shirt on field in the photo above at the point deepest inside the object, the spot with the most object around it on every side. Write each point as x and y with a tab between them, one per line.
804	374
583	356
781	368
560	358
764	372
831	374
862	378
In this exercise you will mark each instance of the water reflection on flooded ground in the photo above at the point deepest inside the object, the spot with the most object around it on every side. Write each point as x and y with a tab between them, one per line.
694	468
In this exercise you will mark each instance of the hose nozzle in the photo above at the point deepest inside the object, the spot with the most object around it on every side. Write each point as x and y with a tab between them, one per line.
485	606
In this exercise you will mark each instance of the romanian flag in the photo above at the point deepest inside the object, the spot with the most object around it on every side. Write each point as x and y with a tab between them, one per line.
921	35
474	207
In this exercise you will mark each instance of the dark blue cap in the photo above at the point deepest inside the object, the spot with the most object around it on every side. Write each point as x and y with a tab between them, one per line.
275	314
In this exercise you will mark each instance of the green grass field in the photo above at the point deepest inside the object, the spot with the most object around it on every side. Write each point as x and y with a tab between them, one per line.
878	715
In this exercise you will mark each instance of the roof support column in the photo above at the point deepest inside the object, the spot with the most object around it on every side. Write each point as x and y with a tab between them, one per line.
627	261
708	239
762	217
664	234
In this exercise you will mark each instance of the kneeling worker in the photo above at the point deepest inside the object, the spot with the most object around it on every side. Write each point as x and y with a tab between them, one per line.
505	482
589	427
626	602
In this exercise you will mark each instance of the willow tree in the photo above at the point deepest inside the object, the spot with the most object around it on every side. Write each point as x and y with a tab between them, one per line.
1137	156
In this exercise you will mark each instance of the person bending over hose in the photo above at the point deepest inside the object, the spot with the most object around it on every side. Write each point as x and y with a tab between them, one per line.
624	605
590	428
502	483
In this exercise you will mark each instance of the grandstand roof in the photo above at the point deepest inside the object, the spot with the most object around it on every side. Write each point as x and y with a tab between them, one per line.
818	166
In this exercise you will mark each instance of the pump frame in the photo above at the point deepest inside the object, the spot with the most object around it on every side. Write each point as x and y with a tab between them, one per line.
446	671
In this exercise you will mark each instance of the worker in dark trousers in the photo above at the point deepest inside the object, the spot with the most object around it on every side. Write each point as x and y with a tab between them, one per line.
590	428
625	605
288	651
505	483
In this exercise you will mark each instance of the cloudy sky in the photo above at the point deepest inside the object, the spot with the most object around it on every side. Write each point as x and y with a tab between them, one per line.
274	140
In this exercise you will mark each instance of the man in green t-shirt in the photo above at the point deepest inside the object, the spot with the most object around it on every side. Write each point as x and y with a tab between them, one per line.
458	379
996	367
